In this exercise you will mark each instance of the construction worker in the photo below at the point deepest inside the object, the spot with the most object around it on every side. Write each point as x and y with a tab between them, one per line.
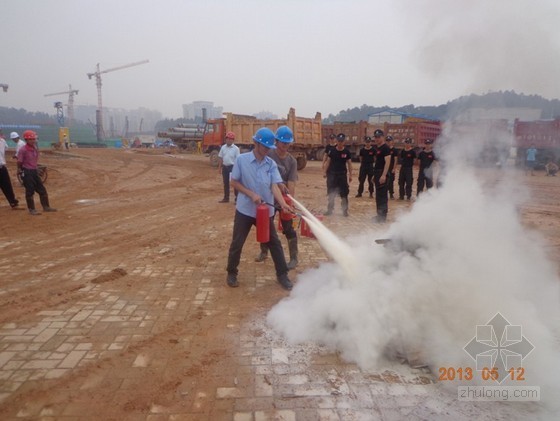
330	146
27	160
19	142
338	170
5	181
380	170
257	179
530	159
367	158
287	166
406	178
426	171
226	158
392	164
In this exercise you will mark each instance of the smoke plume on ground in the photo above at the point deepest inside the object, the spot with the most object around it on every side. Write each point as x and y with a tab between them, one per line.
458	258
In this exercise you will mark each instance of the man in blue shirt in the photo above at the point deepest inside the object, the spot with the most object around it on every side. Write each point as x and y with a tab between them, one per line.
256	177
531	159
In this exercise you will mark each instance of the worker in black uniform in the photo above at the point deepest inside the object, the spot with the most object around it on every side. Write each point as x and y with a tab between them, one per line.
426	171
338	171
367	157
328	148
381	168
392	164
406	178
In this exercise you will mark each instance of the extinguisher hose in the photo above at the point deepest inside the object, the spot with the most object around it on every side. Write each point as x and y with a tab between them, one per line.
279	208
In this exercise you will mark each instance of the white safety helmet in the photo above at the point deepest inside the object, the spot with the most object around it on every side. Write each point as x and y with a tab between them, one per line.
14	135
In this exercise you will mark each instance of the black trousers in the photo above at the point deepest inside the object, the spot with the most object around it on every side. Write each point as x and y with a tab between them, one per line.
381	196
226	171
337	183
405	182
424	179
366	172
391	183
33	184
6	185
241	227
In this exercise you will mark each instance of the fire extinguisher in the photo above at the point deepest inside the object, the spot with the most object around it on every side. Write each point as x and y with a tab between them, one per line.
263	224
287	216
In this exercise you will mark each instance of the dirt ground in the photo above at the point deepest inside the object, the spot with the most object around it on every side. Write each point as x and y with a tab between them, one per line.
115	307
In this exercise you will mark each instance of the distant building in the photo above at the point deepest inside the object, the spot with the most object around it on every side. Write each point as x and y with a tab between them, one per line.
193	110
395	117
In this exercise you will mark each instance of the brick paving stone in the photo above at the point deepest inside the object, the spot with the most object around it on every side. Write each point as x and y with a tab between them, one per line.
72	359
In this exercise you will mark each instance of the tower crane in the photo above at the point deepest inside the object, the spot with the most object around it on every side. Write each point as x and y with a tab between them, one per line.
4	87
71	92
99	112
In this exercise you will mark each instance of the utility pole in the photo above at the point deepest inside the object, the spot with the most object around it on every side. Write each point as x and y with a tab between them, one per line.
99	113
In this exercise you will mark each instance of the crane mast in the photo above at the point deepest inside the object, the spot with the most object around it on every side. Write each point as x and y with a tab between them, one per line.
71	92
99	113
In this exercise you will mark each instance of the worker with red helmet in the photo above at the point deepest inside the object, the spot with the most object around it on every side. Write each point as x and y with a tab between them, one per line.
27	161
226	158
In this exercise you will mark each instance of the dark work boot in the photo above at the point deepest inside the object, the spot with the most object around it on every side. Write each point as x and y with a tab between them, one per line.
345	206
292	246
232	280
263	254
44	199
285	282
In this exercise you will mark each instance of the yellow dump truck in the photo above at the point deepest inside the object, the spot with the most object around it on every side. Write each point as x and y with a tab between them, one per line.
307	134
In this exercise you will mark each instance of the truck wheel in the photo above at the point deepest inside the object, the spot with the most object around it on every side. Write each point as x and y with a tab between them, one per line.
319	154
301	162
214	158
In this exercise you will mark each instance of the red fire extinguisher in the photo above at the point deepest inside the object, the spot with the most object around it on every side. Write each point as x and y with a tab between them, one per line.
263	224
287	216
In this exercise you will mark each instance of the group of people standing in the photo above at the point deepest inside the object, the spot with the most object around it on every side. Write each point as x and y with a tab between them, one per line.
377	165
268	174
27	155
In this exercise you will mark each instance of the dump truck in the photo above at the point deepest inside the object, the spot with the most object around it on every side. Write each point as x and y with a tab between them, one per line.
544	134
307	134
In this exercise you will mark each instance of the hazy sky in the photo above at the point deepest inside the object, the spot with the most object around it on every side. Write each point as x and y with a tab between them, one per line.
255	55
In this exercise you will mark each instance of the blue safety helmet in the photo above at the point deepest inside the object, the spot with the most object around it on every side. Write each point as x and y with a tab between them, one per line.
284	134
265	137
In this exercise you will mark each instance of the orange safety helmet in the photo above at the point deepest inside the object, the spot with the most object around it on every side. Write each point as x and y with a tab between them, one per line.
29	135
230	135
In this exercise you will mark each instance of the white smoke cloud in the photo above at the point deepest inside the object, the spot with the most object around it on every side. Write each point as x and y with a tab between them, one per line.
460	256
